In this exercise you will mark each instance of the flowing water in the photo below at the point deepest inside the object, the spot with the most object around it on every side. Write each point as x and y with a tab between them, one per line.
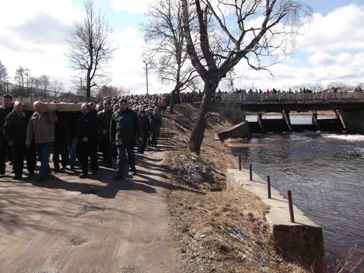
326	174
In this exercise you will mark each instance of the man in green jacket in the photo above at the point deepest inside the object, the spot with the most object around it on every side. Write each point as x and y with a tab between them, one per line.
124	130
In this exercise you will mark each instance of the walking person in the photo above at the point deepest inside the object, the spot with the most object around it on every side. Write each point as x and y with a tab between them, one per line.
156	124
87	140
41	130
4	148
144	126
124	130
60	143
15	133
72	139
104	119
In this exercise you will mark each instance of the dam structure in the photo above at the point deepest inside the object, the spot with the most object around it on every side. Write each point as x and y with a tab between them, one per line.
346	109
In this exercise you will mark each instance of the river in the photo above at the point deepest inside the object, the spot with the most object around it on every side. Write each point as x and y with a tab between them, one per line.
326	174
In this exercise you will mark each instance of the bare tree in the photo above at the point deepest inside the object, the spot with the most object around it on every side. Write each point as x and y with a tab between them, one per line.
27	77
3	77
3	73
230	31
35	83
57	86
20	76
44	82
167	52
90	46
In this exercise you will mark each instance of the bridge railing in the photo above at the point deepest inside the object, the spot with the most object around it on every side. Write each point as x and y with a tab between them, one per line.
282	98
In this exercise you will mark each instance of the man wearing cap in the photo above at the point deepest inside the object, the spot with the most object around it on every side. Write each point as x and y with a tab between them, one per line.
15	126
124	130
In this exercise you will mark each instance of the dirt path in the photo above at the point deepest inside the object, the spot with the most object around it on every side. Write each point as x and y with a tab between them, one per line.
94	225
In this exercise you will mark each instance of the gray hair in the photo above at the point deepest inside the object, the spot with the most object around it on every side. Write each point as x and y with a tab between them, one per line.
17	103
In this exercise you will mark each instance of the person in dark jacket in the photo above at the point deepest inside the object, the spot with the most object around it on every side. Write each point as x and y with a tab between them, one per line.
60	142
15	129
104	120
72	122
4	148
144	126
31	151
156	124
87	140
124	130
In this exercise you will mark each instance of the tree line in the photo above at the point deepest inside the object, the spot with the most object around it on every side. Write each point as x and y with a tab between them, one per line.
24	83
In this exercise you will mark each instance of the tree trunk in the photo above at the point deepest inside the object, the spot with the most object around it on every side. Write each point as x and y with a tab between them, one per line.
172	101
88	87
175	97
200	126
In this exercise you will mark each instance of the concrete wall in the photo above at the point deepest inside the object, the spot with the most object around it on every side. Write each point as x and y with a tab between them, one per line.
354	121
301	241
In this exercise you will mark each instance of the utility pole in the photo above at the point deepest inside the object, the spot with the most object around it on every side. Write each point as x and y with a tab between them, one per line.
146	76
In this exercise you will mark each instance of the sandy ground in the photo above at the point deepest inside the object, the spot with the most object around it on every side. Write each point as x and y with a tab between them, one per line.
88	226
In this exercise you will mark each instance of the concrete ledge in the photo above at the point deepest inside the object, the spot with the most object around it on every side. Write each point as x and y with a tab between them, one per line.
240	130
300	241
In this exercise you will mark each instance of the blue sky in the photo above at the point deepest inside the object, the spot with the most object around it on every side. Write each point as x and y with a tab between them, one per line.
326	6
330	48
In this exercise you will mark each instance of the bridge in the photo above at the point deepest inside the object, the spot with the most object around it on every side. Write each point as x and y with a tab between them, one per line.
348	106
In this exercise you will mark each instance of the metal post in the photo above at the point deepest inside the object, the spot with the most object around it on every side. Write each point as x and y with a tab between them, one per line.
240	165
269	188
290	204
251	171
147	77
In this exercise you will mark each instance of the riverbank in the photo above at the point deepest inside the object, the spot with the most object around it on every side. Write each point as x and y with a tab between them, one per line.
324	172
218	230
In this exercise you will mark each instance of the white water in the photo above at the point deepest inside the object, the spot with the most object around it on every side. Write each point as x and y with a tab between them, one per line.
349	138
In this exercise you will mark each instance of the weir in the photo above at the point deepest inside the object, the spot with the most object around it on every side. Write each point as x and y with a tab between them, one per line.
347	107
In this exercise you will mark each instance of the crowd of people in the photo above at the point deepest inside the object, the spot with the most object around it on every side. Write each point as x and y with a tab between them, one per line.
279	95
114	129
